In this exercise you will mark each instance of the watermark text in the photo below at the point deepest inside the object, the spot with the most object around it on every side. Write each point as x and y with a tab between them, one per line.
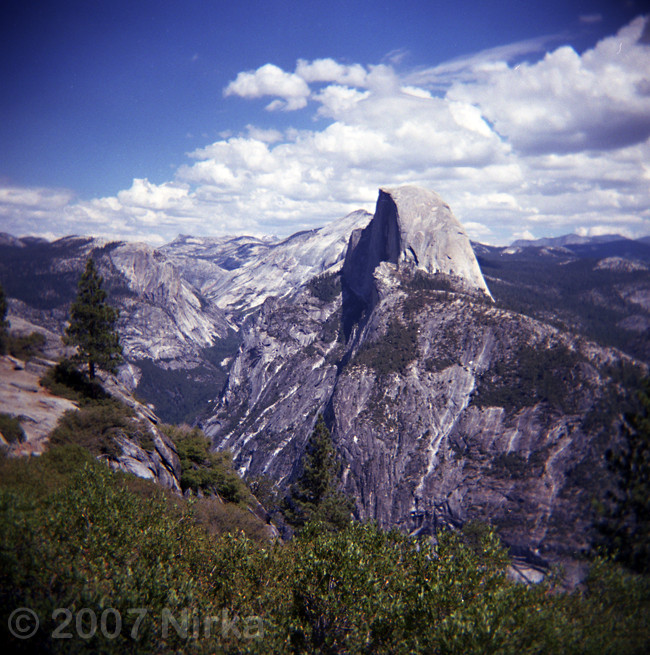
132	623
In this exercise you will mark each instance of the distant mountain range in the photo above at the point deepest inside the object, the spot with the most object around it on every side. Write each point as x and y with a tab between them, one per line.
566	240
459	380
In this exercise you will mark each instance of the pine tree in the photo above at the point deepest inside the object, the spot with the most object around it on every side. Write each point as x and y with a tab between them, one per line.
92	325
315	495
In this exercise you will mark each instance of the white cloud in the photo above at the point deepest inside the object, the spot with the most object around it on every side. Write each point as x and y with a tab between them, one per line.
151	196
549	147
569	102
328	70
526	235
33	198
33	211
269	80
259	134
601	230
336	99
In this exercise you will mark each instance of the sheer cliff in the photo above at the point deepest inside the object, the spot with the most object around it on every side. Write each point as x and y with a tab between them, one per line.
415	230
443	406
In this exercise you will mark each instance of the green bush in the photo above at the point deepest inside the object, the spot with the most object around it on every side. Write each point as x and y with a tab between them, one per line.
205	471
220	519
25	346
67	381
75	535
11	429
96	427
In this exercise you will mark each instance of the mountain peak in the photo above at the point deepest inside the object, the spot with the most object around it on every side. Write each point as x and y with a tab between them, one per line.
412	227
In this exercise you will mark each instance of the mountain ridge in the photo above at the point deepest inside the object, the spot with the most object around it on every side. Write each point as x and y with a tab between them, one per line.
447	401
435	389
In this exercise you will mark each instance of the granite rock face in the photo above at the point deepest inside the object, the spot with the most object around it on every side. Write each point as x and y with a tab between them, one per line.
240	273
159	463
412	228
443	407
161	316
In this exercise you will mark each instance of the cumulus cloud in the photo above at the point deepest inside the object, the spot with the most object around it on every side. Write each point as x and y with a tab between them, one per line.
328	70
269	80
569	102
151	196
548	145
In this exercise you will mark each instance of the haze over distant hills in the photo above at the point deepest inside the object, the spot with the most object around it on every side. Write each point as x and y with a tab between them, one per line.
565	240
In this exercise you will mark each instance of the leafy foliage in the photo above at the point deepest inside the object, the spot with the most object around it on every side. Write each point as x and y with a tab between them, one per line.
205	471
25	346
75	535
97	427
92	324
101	418
67	381
220	519
10	428
315	495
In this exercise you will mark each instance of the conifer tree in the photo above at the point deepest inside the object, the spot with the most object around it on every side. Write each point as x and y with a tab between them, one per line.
92	325
315	495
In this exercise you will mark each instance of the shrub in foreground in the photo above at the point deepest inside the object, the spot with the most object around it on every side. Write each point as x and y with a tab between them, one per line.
75	535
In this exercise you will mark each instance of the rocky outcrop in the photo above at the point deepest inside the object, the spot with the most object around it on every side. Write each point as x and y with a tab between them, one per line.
159	463
412	228
36	408
38	411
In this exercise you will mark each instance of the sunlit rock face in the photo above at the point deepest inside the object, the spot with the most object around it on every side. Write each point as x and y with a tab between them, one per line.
443	407
239	273
162	316
412	228
22	396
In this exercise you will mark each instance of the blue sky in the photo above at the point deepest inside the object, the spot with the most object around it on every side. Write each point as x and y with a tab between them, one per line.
143	120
